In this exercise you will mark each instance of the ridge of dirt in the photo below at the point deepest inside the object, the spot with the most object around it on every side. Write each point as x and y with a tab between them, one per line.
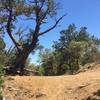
83	86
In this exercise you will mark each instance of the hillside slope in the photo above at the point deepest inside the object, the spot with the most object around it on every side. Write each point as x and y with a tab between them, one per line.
83	86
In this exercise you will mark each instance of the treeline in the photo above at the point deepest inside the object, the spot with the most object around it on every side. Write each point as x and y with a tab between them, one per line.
73	50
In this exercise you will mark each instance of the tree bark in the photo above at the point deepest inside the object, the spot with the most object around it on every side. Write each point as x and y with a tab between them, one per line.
19	63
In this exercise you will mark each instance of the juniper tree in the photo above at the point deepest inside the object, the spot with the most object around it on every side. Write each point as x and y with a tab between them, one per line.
39	12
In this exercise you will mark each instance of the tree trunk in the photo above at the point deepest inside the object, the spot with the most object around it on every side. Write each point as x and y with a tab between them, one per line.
22	56
20	62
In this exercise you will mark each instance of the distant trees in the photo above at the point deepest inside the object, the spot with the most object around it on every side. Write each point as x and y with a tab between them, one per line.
74	48
48	62
25	41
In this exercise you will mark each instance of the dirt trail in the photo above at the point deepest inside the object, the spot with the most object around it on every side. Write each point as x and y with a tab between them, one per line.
83	86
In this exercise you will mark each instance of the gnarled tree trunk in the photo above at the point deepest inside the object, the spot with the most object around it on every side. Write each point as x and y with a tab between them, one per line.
19	63
20	60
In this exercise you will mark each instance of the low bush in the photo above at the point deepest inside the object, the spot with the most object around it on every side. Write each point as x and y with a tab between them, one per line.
1	80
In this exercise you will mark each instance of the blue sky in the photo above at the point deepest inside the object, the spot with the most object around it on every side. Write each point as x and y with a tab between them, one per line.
80	12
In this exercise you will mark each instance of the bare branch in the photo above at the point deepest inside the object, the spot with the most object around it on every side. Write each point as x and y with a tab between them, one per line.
52	26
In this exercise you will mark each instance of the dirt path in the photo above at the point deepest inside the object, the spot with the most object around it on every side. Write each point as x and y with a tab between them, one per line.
83	86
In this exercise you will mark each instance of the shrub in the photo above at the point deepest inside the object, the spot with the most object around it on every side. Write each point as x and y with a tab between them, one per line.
1	79
41	71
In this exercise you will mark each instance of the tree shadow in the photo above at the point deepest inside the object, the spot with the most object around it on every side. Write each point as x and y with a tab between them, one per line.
97	93
94	96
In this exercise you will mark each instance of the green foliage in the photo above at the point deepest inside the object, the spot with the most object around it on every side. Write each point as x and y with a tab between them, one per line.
2	57
29	10
46	57
1	71
25	40
31	67
41	71
9	56
74	48
1	79
2	54
83	35
2	44
50	61
89	54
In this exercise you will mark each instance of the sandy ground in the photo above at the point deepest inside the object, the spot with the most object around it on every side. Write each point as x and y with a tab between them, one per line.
83	86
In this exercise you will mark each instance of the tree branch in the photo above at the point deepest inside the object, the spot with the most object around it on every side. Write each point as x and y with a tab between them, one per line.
52	26
9	29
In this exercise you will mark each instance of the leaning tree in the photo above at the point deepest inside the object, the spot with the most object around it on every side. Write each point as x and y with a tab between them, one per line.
39	12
